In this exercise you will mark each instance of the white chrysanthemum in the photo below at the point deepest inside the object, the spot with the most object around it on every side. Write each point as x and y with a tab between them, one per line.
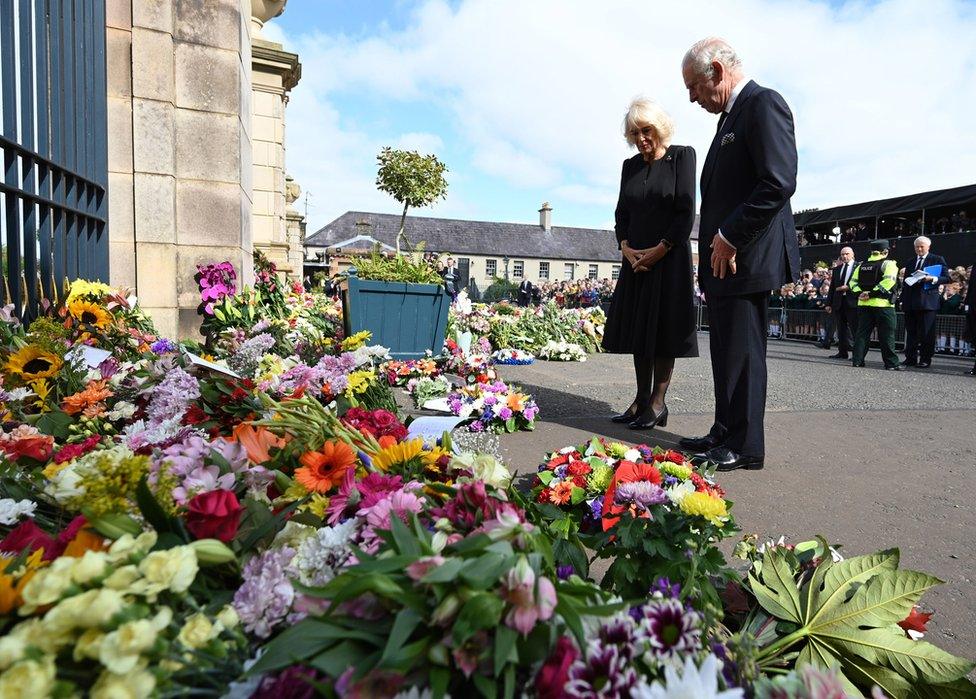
692	683
12	510
123	410
677	493
65	485
320	556
18	394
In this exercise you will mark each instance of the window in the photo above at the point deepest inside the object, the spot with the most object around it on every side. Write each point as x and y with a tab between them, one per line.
594	271
491	268
464	262
518	269
615	272
569	270
543	270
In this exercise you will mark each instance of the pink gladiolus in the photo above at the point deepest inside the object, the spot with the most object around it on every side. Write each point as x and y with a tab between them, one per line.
420	568
532	600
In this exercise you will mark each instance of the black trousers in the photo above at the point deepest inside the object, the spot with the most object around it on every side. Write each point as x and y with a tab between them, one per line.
845	320
919	336
737	341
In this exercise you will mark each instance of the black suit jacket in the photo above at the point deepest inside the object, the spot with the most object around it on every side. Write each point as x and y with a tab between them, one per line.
916	297
839	298
747	181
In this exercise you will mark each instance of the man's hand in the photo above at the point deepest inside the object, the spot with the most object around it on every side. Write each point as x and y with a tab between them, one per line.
864	296
843	287
828	309
723	257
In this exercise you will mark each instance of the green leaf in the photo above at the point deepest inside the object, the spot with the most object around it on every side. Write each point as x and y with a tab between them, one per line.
344	655
505	651
56	424
439	679
577	495
406	621
483	572
545	477
775	588
840	576
303	640
917	661
153	511
446	572
885	599
481	611
866	675
960	689
487	687
405	541
817	654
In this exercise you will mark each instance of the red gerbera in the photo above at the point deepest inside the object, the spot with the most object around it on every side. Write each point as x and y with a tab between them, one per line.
627	472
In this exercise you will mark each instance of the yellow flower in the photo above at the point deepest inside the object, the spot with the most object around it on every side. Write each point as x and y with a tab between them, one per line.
48	585
90	313
91	565
359	381
12	583
12	649
128	545
397	454
171	569
354	342
705	505
296	491
88	645
83	287
317	505
135	684
32	363
122	578
198	631
41	389
28	678
228	617
121	650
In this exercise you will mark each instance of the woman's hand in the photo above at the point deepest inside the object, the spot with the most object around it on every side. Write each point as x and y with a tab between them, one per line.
650	257
630	254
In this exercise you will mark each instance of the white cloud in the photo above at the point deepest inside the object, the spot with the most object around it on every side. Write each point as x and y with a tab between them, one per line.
881	91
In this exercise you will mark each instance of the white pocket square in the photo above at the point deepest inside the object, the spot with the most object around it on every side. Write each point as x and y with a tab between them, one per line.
727	139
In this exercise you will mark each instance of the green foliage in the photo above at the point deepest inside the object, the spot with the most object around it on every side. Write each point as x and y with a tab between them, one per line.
413	269
412	179
846	615
500	290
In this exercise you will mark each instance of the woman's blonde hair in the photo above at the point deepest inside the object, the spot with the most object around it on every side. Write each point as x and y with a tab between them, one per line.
645	112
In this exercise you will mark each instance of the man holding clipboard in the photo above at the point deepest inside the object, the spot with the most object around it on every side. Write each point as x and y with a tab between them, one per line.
920	302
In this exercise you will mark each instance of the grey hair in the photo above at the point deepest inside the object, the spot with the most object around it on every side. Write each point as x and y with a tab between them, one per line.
704	52
924	239
645	112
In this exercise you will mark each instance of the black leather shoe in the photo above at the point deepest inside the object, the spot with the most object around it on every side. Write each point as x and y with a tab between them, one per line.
908	363
972	372
839	355
923	365
896	367
699	445
858	366
627	415
648	420
727	460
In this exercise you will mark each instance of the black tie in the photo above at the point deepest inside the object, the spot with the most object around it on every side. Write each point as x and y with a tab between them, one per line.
843	277
721	120
919	265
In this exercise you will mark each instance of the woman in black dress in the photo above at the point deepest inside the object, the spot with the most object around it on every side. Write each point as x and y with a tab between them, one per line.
652	315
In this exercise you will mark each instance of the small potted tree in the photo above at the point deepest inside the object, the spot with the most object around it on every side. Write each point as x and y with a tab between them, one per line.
400	299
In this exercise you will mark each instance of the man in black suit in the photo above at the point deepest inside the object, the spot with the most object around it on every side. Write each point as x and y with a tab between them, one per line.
920	302
524	292
746	221
452	279
843	303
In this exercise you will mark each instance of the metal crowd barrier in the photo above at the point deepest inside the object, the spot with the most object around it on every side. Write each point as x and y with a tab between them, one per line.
811	326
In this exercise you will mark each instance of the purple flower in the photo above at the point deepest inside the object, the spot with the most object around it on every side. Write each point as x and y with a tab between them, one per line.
162	346
295	682
563	572
643	493
596	508
670	480
172	396
666	588
266	597
109	367
603	673
668	628
505	413
561	471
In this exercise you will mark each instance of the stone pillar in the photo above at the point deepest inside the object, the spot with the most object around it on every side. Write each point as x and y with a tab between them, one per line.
274	73
179	149
294	228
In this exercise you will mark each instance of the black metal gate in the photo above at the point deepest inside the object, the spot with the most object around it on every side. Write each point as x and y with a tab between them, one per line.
53	212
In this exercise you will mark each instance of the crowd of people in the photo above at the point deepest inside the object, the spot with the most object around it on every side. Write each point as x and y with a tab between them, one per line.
578	293
863	231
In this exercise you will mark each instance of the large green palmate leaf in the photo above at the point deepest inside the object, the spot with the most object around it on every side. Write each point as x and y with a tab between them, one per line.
847	615
960	689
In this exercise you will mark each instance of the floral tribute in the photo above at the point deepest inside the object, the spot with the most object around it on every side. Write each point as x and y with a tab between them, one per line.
495	407
559	351
250	516
512	356
399	373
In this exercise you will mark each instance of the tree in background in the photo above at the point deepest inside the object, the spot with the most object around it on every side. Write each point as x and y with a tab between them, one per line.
412	179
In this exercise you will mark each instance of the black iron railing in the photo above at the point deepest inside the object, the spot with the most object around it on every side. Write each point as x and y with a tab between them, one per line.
54	206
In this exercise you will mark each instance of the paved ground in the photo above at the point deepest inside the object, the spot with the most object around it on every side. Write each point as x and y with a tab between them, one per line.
870	459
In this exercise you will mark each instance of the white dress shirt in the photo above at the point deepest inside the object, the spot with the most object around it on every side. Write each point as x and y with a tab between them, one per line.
727	110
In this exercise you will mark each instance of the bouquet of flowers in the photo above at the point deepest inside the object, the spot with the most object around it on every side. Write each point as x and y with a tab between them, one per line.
426	389
512	356
558	351
399	373
495	407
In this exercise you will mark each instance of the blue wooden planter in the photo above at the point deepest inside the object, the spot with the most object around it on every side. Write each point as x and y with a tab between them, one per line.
410	319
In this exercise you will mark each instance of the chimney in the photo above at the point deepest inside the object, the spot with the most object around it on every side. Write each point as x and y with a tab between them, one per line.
545	217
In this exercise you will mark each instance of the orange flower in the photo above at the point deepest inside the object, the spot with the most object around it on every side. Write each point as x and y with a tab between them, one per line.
561	493
516	401
85	540
387	440
94	393
11	587
323	470
256	441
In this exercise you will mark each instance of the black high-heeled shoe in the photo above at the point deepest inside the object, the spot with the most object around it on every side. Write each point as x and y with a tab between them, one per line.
648	420
629	414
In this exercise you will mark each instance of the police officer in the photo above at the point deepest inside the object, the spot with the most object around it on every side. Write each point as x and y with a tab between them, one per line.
874	283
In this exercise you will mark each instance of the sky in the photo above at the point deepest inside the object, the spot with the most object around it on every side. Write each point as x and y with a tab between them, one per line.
524	99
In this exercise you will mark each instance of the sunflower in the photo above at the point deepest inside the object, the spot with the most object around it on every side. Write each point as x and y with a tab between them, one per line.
33	363
324	469
398	454
90	313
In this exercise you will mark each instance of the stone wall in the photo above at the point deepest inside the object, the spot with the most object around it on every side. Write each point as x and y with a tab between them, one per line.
179	124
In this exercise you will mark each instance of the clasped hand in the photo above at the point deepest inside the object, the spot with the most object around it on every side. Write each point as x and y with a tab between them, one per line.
643	259
723	257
